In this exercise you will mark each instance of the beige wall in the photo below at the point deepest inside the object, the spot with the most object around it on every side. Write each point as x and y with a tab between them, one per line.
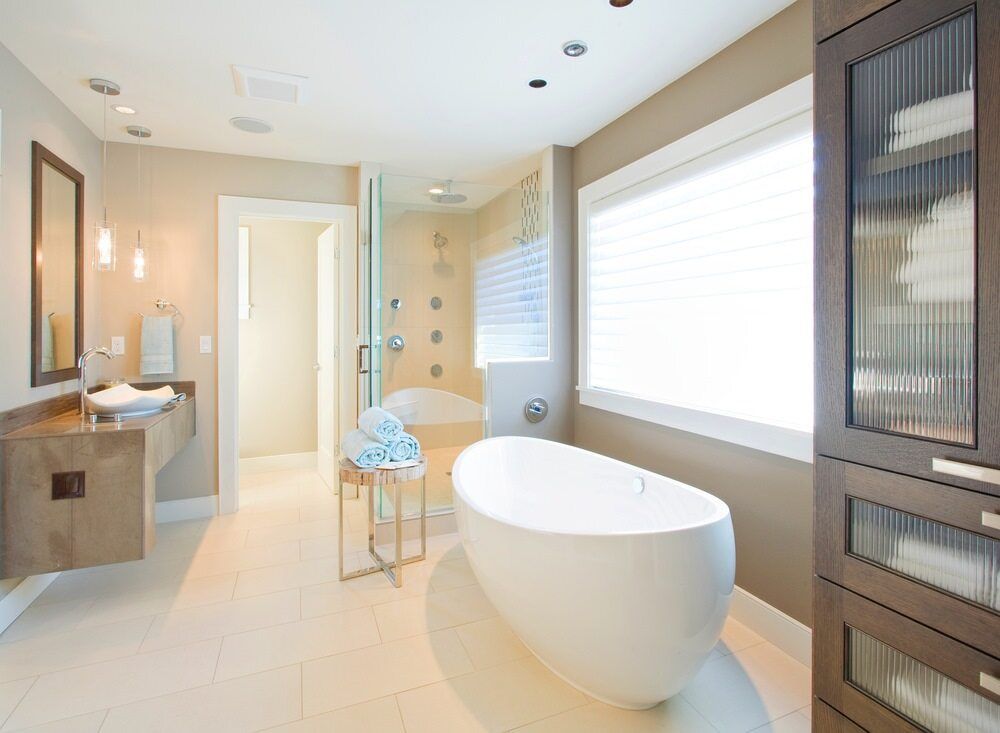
278	341
770	497
31	112
179	214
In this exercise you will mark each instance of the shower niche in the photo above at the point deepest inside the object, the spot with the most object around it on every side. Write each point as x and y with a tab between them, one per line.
459	276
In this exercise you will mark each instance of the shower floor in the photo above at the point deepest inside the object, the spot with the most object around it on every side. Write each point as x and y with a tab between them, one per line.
439	499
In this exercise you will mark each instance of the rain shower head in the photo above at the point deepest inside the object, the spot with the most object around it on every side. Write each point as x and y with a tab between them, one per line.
447	197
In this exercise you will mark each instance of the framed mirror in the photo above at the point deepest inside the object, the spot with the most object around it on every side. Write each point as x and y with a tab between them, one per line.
57	267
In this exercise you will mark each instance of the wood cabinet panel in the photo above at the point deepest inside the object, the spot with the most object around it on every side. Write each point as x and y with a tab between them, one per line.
833	16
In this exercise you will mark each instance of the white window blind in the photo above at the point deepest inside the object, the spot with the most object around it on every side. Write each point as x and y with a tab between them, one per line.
511	300
699	282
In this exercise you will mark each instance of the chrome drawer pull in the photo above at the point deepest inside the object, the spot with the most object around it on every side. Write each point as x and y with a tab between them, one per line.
989	682
991	520
966	470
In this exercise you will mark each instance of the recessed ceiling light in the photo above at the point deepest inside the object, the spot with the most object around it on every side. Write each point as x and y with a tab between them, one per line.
123	109
573	49
620	3
537	83
436	190
251	124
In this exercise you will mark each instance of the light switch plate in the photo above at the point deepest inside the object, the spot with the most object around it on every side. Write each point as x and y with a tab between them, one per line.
117	345
205	344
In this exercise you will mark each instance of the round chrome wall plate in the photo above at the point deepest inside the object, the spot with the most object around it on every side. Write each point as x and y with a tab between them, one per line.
436	303
436	336
536	409
397	342
437	370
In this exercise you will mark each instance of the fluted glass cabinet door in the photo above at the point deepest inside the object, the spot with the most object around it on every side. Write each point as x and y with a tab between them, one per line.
908	259
913	235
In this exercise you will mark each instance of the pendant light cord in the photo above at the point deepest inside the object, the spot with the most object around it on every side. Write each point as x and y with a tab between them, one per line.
104	161
138	189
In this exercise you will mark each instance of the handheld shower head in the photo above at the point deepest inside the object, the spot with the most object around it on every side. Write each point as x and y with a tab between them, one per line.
440	241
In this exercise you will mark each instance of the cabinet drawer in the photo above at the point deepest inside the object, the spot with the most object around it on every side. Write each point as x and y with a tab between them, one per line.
929	550
827	720
888	672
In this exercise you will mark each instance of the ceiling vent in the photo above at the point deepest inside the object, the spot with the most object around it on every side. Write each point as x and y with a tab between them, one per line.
273	86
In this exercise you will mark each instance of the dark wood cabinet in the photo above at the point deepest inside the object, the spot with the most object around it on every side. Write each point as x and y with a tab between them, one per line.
907	473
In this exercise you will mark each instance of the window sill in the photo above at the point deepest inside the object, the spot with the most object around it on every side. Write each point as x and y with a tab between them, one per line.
787	442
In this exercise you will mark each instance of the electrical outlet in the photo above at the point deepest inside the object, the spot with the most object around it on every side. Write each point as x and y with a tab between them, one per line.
118	345
205	344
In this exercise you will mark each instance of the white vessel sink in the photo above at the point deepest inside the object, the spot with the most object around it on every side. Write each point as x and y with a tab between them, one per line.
125	400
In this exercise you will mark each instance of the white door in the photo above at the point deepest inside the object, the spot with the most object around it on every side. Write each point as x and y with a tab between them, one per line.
328	408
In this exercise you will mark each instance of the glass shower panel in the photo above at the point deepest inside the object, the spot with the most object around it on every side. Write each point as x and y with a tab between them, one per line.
459	278
912	131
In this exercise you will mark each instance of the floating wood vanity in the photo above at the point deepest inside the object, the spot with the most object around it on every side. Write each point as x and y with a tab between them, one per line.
77	494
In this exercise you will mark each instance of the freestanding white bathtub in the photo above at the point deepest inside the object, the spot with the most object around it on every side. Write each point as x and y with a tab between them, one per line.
618	579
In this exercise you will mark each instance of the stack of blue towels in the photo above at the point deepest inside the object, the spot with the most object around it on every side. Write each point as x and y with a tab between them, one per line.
379	439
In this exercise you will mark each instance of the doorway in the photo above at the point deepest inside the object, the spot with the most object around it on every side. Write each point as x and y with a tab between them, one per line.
285	393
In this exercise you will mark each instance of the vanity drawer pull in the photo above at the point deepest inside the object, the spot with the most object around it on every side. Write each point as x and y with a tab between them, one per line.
991	520
966	470
989	682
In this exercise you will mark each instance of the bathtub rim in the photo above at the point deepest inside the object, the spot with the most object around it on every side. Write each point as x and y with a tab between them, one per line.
721	511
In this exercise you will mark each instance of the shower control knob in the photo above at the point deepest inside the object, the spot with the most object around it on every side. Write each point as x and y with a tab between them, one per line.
396	343
395	304
536	409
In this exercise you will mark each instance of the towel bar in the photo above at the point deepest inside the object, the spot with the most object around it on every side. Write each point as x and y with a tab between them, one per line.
160	304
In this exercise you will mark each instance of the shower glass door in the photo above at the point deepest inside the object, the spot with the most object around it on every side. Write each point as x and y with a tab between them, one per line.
459	277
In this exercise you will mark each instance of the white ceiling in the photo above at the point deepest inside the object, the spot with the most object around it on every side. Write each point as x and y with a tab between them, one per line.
432	88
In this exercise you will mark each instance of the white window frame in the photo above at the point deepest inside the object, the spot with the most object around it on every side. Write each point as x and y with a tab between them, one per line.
782	105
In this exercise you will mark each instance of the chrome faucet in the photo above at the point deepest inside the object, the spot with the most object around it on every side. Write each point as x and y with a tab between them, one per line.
81	364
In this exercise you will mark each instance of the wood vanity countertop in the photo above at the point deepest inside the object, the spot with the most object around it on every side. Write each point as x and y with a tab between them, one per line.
70	424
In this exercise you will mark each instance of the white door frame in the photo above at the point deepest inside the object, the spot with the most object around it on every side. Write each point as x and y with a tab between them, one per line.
231	208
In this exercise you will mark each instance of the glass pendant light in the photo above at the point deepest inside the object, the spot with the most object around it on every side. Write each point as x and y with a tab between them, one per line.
105	232
140	251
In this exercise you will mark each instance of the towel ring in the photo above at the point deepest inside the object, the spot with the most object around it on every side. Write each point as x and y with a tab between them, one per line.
162	304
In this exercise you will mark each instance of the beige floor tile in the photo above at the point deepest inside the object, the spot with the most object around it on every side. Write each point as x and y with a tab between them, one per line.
278	646
250	520
191	541
736	637
294	575
11	694
747	689
329	545
368	590
46	619
289	532
491	642
377	716
171	596
447	574
249	703
347	679
249	558
423	614
673	716
86	723
495	699
70	649
220	619
108	684
794	723
130	577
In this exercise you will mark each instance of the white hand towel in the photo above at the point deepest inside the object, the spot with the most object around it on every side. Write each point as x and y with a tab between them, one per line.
157	345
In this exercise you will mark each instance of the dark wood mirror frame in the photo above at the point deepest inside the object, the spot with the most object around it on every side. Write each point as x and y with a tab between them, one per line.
40	155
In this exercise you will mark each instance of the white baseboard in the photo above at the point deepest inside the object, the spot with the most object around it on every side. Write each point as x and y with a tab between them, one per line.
790	636
14	603
178	510
283	462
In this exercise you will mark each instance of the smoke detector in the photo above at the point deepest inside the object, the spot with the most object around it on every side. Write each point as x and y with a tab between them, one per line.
273	86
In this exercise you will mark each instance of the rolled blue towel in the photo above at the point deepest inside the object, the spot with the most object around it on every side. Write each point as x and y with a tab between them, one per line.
379	424
403	447
365	452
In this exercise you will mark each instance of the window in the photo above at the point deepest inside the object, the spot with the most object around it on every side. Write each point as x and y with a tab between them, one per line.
696	281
